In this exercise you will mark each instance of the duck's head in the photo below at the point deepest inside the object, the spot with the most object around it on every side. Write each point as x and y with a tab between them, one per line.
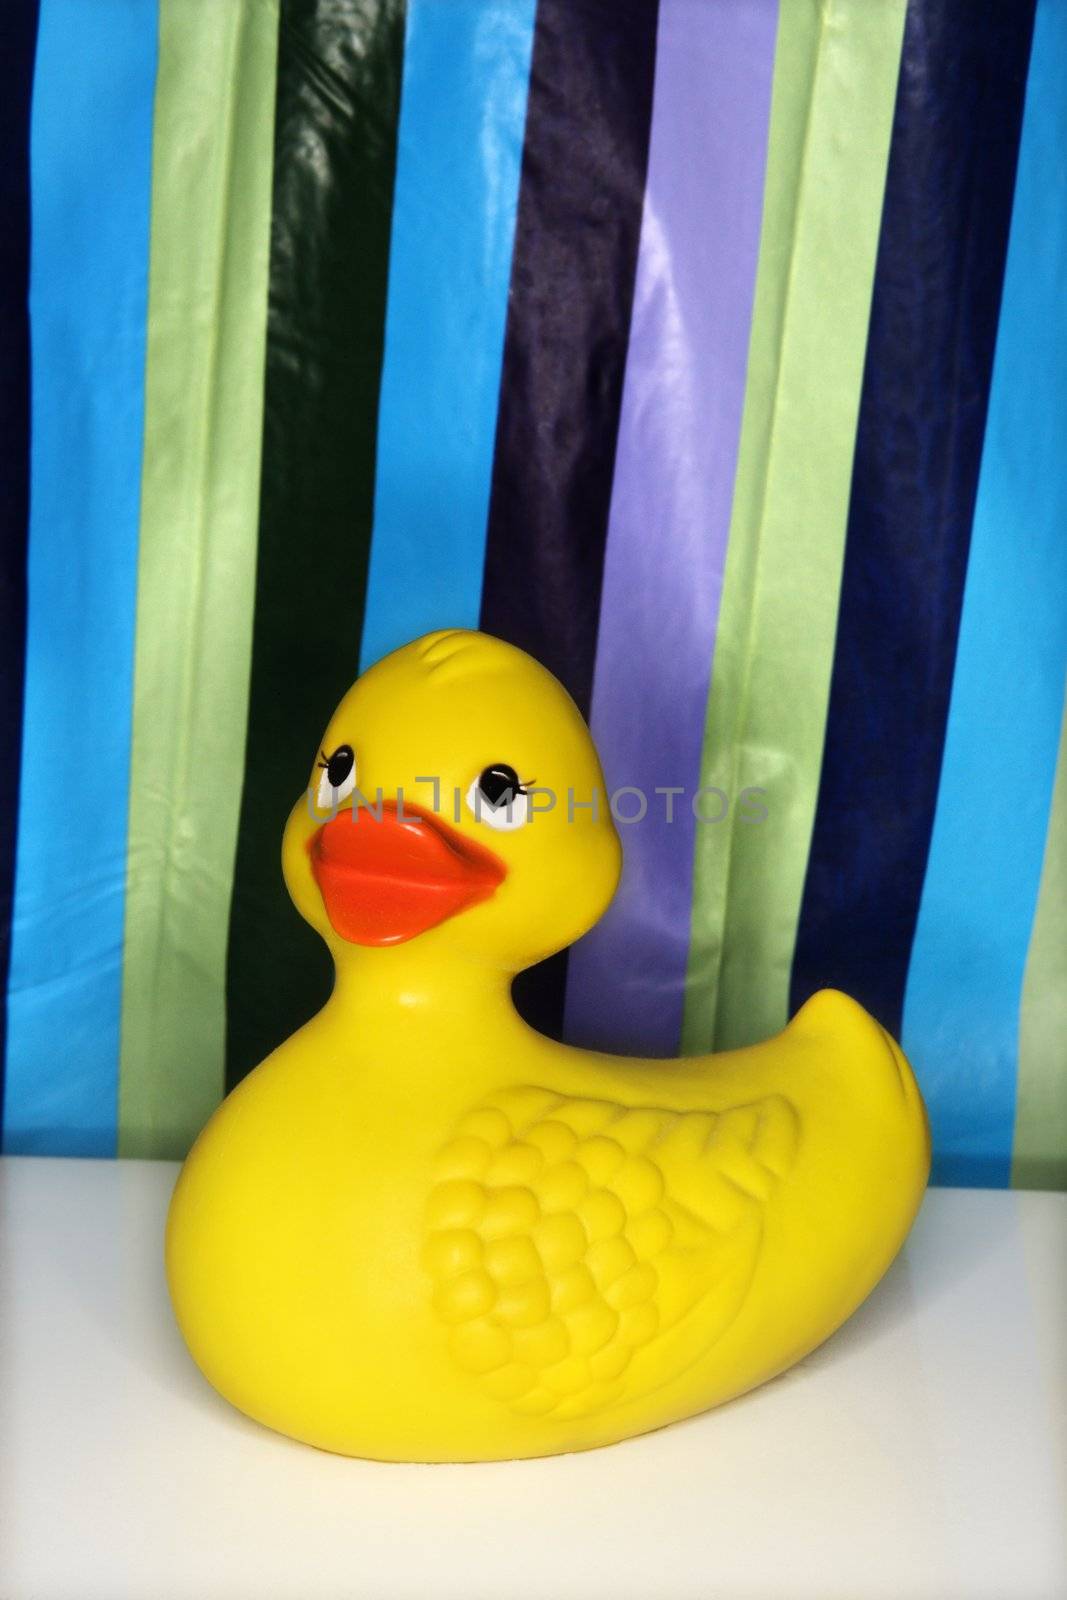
452	802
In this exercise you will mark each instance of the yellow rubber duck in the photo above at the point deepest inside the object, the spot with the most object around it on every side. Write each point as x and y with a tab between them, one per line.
420	1230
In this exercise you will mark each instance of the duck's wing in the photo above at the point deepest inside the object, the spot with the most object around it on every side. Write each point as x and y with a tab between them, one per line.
577	1246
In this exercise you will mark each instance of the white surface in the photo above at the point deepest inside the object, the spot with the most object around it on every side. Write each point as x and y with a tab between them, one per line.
921	1452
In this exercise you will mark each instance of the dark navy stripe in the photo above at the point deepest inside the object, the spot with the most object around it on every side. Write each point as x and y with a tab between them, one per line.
572	280
18	43
339	66
934	314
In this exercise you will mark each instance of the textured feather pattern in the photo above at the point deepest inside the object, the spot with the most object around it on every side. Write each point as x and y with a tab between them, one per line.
567	1238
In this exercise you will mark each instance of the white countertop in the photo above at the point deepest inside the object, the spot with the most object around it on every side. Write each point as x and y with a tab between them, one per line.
921	1452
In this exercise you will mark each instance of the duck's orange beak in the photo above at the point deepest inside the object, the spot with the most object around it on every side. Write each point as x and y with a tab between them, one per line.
384	880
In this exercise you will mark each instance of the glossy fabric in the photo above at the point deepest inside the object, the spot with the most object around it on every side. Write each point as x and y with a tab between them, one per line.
572	282
966	977
338	91
18	43
831	120
709	349
935	306
207	324
91	134
463	112
670	506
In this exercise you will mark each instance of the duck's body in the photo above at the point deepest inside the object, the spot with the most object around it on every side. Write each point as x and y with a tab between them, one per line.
422	1231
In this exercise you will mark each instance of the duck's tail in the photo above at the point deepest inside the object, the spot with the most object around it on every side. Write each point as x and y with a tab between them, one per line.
854	1035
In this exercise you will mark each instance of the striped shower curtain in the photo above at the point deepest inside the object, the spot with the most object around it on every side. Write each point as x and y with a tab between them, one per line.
715	351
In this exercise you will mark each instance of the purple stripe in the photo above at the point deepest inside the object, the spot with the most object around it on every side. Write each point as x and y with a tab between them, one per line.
671	499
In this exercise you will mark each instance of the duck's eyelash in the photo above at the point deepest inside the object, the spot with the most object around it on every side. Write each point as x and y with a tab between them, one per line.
325	761
526	784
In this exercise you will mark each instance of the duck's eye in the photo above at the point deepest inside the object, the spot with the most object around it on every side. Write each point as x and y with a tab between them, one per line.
338	777
497	796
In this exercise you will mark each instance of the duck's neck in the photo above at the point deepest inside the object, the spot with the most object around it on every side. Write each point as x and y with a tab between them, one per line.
373	982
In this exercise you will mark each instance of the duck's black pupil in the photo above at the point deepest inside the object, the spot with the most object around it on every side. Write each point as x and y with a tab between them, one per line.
499	784
340	765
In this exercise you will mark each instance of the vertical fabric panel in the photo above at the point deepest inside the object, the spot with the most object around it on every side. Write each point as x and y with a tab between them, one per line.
966	975
18	40
199	513
339	65
1039	1156
463	108
91	145
572	284
934	310
832	109
670	509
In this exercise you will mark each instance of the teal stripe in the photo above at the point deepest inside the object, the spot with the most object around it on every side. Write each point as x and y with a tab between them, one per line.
965	982
463	109
90	163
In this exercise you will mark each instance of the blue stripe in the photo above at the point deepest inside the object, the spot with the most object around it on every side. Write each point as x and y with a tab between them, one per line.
965	982
18	42
90	164
463	110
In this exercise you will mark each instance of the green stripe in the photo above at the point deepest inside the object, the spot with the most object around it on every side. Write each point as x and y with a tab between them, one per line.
1040	1149
213	141
339	65
835	77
